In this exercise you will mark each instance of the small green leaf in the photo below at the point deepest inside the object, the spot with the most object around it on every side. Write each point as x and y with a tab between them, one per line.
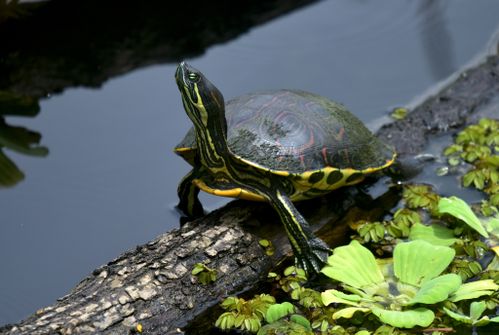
334	296
475	319
434	234
301	320
348	312
437	289
399	113
204	274
354	265
460	209
418	261
405	319
457	316
268	246
225	321
284	327
452	149
264	243
492	226
476	309
474	290
475	177
277	311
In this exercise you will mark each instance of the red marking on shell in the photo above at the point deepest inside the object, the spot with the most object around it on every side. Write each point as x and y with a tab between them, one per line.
302	160
340	134
324	155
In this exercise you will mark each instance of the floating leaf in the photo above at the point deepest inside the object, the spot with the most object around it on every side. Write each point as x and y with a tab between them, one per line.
475	318
301	320
457	316
434	234
492	226
452	149
418	261
419	196
354	265
474	290
277	311
437	289
476	309
405	319
475	177
348	312
335	296
460	209
285	327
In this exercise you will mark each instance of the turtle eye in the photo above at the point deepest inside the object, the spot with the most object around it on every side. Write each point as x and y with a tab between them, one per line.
194	77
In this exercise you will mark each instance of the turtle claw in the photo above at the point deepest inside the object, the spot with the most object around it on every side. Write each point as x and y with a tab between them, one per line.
315	256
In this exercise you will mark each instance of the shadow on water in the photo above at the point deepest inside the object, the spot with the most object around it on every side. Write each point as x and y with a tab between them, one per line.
38	58
16	138
59	44
436	39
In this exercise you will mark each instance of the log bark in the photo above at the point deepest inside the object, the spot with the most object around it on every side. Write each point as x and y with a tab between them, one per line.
152	285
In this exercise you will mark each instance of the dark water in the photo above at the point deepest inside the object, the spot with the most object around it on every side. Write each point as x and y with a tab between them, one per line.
109	181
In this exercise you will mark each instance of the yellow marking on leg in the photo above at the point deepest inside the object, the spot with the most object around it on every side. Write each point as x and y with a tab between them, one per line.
297	225
236	192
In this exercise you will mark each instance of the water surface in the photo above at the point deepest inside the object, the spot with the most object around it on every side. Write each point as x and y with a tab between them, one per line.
109	181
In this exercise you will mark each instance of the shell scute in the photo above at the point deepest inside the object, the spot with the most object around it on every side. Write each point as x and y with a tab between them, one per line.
297	131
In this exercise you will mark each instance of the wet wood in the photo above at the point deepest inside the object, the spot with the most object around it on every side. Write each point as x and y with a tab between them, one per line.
152	285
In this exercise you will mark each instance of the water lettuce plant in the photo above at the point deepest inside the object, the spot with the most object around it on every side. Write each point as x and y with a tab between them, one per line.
397	293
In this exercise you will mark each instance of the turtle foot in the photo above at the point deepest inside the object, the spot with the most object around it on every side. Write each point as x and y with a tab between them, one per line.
191	212
314	257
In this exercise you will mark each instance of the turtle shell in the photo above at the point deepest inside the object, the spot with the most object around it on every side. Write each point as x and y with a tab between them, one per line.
296	131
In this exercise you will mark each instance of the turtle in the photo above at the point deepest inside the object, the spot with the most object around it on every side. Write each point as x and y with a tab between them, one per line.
278	146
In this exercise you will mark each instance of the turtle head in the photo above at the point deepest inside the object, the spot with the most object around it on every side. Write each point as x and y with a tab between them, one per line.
203	102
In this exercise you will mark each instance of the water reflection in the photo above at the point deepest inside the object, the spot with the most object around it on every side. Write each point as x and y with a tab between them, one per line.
15	138
437	41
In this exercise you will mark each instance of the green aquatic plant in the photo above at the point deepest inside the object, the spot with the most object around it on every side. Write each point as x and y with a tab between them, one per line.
460	210
475	317
420	196
267	246
244	314
478	145
282	319
204	274
399	113
414	280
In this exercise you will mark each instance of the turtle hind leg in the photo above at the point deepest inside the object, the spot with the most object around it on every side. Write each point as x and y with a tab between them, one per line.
189	202
311	253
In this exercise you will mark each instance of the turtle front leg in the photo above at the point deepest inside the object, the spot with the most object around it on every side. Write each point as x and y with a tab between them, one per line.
311	252
189	202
